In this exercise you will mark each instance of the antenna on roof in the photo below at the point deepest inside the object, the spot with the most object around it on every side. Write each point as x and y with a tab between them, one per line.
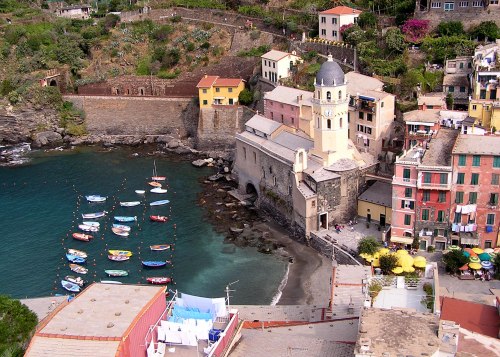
228	291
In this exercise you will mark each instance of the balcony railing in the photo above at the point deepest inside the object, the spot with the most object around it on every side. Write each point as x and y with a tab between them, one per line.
433	185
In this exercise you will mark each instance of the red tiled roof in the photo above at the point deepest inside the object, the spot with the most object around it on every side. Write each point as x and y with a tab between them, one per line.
341	10
207	81
228	82
474	317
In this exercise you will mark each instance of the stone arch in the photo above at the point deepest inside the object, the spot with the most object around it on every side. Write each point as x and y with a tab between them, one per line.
142	91
53	82
250	189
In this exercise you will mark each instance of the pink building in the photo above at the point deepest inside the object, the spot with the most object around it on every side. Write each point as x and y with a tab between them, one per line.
420	126
288	105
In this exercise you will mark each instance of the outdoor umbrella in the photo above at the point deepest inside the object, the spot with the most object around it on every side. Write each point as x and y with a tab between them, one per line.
453	247
489	250
478	250
376	263
383	251
407	269
492	256
464	267
420	263
471	252
398	270
405	261
465	253
474	260
475	266
419	257
402	252
496	250
487	264
484	256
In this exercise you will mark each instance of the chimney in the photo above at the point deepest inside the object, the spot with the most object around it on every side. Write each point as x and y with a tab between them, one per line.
424	107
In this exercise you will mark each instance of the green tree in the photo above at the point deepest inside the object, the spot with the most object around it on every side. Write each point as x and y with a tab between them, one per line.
486	30
367	20
245	97
17	324
388	262
353	35
450	28
449	101
368	245
496	264
395	40
454	260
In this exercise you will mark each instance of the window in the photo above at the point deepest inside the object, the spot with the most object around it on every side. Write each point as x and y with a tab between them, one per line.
482	94
493	199
369	117
425	215
205	102
474	106
477	4
265	74
451	89
323	32
443	179
293	120
355	20
274	64
334	20
462	89
495	179
460	178
464	4
230	90
328	96
426	196
334	33
408	192
487	244
496	161
407	219
461	160
427	177
340	94
244	153
204	91
329	124
459	198
442	196
217	89
254	157
323	19
458	218
476	160
472	197
440	217
406	175
461	65
282	118
361	128
360	115
435	5
231	101
368	130
407	204
449	6
490	218
474	180
381	104
313	204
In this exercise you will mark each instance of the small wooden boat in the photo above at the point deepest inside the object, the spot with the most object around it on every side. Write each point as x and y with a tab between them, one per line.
118	258
82	236
75	259
158	218
159	280
116	272
154	184
85	228
92	223
130	203
140	192
94	215
125	218
120	232
160	247
110	282
126	253
159	203
74	288
158	178
123	227
154	263
95	198
78	269
78	253
75	280
158	190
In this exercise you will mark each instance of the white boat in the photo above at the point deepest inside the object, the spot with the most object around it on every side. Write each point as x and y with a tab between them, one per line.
78	253
110	282
159	203
91	223
130	203
86	228
95	198
159	190
122	227
120	232
140	192
94	215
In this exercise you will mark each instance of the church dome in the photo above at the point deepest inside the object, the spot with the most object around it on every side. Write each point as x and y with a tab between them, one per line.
330	74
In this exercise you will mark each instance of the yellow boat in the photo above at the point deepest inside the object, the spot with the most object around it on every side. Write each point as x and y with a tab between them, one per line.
126	253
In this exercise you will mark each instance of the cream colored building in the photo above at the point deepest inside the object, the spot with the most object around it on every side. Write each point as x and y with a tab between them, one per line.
277	65
330	21
375	204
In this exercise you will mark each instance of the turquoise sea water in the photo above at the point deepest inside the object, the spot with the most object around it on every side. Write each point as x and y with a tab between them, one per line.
41	205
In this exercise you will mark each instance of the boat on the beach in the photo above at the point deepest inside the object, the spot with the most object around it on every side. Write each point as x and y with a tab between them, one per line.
140	192
154	263
126	253
78	253
95	198
125	218
130	203
94	215
159	280
68	285
116	272
154	184
158	190
159	203
82	236
75	259
159	247
75	280
118	258
158	218
123	227
78	269
92	223
120	232
110	282
86	228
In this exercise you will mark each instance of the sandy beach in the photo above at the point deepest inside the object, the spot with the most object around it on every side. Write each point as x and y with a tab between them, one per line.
309	275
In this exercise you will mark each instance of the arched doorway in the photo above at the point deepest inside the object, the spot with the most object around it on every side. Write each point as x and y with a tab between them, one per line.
53	83
250	190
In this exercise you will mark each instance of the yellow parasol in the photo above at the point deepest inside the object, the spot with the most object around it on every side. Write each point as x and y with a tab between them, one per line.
402	252
405	261
397	270
419	257
477	250
383	251
420	264
376	263
408	269
475	266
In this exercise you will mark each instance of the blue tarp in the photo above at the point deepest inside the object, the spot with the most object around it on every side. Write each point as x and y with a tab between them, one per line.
190	313
370	99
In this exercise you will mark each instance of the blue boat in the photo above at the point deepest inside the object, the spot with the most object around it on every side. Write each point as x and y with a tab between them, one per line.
75	258
159	203
125	218
74	288
155	263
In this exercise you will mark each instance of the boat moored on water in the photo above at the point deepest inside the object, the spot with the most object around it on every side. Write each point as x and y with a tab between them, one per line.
140	192
159	280
158	190
130	203
75	280
68	285
126	253
78	253
159	203
118	258
158	218
154	184
75	259
123	227
92	223
155	263
94	215
96	198
120	232
110	282
159	247
125	218
86	228
78	269
116	273
82	236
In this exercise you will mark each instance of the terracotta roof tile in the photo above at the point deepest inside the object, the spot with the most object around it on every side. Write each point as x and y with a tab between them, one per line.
207	81
478	318
341	10
228	82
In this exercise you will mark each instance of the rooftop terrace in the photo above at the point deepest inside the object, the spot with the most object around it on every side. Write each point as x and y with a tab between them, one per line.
439	151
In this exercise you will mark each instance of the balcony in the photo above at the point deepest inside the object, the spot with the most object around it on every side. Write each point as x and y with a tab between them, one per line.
419	134
433	185
404	181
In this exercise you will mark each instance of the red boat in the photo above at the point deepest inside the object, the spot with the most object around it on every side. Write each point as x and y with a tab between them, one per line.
158	218
82	236
159	280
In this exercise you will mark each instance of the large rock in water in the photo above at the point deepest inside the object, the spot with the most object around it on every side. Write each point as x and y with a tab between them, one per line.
47	138
199	163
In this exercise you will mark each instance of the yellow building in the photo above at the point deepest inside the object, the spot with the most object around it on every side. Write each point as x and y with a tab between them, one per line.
487	112
375	203
213	90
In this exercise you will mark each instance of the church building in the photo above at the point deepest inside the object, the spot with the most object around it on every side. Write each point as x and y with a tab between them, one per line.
308	176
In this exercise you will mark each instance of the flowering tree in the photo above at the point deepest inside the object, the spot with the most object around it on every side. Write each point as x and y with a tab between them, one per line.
345	27
415	30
